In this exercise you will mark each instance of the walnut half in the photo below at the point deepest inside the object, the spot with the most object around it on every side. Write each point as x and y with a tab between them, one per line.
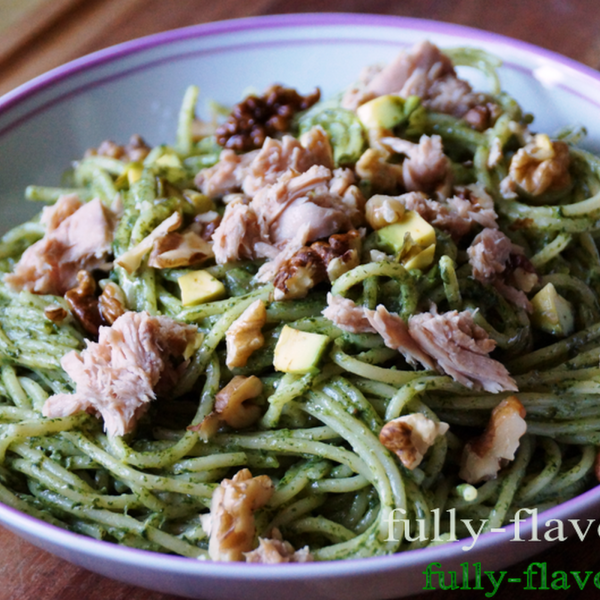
244	336
483	457
315	263
230	523
410	436
540	166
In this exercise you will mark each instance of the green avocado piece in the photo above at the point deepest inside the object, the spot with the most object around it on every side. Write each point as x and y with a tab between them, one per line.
299	352
552	313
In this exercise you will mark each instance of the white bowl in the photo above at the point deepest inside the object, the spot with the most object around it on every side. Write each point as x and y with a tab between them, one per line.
137	87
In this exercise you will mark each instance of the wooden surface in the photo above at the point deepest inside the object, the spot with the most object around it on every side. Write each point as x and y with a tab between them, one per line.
35	40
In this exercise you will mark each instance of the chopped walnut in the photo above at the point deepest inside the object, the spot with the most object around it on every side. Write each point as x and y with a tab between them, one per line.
132	259
410	436
383	210
230	523
299	274
134	151
521	273
312	264
540	166
482	116
256	118
231	402
244	336
179	250
112	302
483	457
55	313
84	303
276	550
384	177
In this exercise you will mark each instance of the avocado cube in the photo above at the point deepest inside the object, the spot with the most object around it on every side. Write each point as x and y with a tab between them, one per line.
393	238
199	286
298	352
421	259
384	112
552	313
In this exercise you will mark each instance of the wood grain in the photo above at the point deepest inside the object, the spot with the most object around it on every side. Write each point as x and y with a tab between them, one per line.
67	29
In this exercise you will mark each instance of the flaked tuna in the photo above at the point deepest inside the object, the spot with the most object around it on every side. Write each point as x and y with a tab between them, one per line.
117	376
422	71
78	237
495	260
451	343
250	172
299	208
461	348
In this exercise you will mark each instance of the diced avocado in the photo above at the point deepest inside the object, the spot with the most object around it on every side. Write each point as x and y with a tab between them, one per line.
394	235
420	260
134	172
169	159
200	202
552	312
298	352
412	237
199	286
385	112
131	174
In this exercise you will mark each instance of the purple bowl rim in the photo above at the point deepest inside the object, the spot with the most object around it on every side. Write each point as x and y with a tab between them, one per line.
278	21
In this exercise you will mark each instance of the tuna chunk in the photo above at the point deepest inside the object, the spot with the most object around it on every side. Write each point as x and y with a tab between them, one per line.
496	260
227	175
450	343
460	347
470	206
396	335
78	237
488	254
344	313
425	72
426	168
117	376
299	208
252	171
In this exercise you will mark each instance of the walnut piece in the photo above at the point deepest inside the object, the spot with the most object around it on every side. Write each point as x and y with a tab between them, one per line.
383	210
55	313
256	118
112	303
230	402
315	263
179	250
276	550
540	166
410	436
83	303
244	336
483	457
230	523
134	151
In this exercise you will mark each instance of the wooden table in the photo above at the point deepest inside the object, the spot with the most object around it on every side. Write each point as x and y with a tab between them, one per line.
37	35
